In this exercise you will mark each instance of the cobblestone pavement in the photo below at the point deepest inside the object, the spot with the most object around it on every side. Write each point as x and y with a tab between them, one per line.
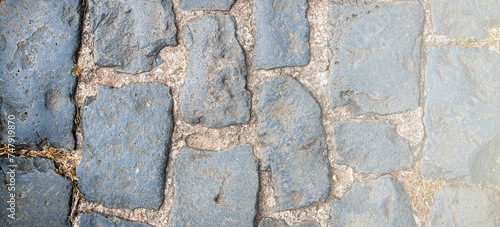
268	113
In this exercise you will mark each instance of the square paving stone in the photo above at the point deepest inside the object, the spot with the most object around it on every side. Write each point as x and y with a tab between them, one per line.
293	143
281	32
206	4
380	202
214	92
376	62
126	140
464	207
461	116
41	196
215	188
464	18
37	42
129	35
371	146
95	219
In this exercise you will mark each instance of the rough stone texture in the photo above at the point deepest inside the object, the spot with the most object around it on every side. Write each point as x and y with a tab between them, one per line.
269	222
214	91
129	35
464	207
293	142
281	33
461	117
380	202
95	219
371	146
215	188
376	62
42	196
486	164
464	18
206	4
125	146
36	59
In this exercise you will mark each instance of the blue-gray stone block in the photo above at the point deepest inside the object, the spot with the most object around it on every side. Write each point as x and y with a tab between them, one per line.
376	62
461	114
36	60
464	207
214	91
293	142
371	146
270	222
464	18
215	188
126	140
95	219
380	202
206	4
486	164
129	35
42	197
281	32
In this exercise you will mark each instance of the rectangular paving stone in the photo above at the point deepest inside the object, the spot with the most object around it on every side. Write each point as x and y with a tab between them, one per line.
214	91
95	219
376	62
281	32
464	18
380	202
461	114
129	35
126	140
464	207
215	188
41	196
371	146
36	60
293	142
206	4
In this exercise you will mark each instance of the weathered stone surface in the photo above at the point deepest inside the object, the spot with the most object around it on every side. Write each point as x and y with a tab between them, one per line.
95	219
380	202
215	188
129	35
461	117
281	32
376	63
464	18
486	165
125	146
270	222
464	207
36	59
371	146
206	4
293	142
214	91
42	196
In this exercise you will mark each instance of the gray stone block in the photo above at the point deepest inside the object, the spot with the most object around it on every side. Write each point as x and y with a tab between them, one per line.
464	207
214	91
215	188
371	146
380	202
270	222
293	142
376	62
126	140
42	197
281	32
486	164
461	113
36	60
129	35
95	219
464	18
206	4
